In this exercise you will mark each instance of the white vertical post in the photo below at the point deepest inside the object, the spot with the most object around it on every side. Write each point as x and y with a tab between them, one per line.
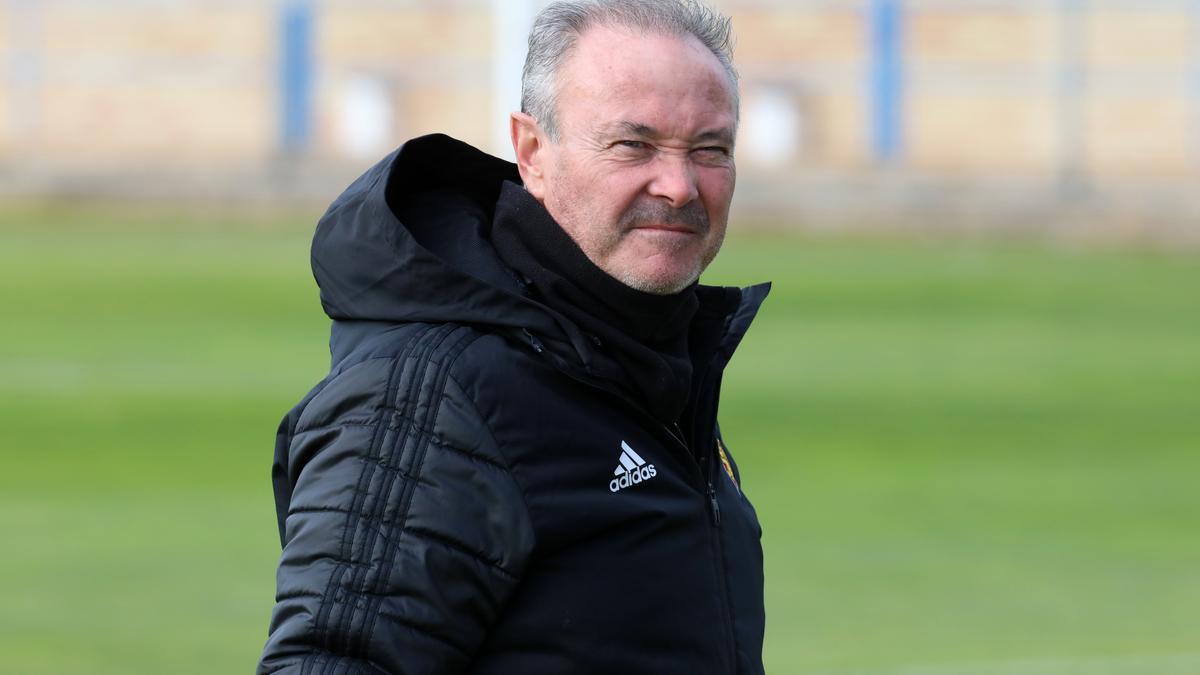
1072	84
1194	83
511	20
26	76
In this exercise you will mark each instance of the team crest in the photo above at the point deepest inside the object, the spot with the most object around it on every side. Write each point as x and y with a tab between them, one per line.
725	463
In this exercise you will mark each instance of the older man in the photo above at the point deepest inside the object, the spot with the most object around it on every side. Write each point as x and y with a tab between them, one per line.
514	464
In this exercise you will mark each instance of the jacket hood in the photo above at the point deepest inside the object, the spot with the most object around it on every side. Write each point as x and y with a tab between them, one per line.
409	236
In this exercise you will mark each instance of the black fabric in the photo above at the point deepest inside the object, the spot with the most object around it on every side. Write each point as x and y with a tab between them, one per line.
646	334
449	497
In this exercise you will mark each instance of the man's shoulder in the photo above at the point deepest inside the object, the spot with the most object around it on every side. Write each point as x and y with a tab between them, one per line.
414	357
466	351
445	381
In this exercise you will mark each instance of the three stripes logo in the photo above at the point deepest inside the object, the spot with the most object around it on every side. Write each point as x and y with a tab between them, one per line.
631	470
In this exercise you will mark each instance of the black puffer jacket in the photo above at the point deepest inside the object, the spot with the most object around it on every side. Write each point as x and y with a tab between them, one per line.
464	494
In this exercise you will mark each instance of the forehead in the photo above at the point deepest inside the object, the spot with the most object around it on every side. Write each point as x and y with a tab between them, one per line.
616	74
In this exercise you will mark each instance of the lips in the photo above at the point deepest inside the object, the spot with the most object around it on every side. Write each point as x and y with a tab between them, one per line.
666	228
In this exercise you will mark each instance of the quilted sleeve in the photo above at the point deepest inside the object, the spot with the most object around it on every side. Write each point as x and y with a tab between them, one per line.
405	532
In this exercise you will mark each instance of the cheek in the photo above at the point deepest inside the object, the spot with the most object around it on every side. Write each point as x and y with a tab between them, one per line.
611	194
716	188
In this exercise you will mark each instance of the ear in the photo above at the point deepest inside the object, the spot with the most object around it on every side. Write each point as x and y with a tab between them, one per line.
529	144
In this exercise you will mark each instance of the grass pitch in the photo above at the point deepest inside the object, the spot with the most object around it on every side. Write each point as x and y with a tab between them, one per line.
969	459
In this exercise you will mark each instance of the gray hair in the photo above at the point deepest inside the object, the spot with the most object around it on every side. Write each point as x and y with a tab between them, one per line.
557	29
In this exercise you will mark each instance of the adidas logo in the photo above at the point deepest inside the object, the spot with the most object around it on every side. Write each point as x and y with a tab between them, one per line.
631	470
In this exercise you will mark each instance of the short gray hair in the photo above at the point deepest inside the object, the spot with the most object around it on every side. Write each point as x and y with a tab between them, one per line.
557	29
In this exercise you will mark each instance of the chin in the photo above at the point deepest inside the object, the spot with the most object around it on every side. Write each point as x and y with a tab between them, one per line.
657	283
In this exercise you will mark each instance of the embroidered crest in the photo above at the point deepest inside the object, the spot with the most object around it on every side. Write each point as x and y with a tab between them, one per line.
725	463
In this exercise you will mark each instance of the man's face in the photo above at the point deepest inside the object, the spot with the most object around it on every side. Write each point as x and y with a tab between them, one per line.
642	174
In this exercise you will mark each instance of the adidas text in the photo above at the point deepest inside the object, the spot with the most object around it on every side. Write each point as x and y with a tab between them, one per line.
632	477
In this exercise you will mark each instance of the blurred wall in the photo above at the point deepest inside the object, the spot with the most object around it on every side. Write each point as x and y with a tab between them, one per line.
904	104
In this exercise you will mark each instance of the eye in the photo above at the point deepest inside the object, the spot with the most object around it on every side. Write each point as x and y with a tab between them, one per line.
712	155
631	145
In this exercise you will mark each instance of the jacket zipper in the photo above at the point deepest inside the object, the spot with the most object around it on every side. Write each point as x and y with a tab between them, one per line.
723	574
714	508
712	502
714	511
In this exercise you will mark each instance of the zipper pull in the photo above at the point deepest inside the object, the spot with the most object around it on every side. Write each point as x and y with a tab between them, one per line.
533	341
714	507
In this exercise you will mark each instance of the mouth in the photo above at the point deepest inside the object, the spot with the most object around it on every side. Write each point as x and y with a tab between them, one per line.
662	227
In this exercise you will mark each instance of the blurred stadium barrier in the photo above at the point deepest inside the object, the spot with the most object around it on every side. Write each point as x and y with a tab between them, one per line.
1030	114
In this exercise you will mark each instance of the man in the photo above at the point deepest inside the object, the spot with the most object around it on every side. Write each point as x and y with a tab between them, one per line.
514	464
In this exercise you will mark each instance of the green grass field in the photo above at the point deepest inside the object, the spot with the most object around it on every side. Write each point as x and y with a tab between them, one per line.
969	458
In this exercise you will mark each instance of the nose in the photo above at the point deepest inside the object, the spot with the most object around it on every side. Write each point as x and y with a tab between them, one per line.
674	180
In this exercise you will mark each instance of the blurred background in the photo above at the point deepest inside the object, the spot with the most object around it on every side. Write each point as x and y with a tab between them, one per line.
969	413
1016	113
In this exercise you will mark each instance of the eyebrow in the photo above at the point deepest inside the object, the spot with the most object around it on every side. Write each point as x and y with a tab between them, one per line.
721	135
